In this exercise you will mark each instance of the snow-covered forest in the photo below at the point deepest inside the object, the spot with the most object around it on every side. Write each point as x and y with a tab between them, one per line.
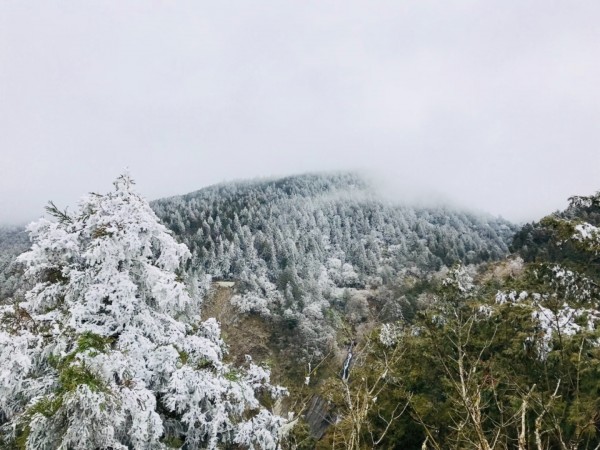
256	230
383	325
299	246
296	246
265	227
348	225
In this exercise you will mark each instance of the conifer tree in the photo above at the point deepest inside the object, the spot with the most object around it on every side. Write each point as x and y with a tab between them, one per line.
108	350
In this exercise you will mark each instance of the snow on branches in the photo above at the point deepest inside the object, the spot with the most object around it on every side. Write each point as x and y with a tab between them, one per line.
108	350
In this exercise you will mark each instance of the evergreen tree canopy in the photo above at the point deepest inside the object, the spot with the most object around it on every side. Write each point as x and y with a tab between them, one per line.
108	350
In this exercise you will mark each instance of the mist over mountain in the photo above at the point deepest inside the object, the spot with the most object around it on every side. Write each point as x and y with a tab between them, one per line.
351	300
298	246
294	244
255	225
307	249
395	279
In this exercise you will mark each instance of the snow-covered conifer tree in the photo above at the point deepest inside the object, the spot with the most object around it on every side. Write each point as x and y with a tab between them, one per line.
108	350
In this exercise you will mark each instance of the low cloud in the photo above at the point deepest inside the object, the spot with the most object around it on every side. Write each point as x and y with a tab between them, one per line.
492	105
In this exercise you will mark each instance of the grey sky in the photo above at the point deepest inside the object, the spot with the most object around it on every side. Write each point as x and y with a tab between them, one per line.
494	104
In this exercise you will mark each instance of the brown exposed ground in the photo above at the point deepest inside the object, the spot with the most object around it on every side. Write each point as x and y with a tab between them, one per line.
509	268
244	334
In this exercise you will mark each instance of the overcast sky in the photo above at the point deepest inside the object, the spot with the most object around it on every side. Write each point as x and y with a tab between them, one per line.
492	104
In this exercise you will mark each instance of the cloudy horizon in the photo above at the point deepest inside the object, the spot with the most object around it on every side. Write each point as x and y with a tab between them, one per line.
492	105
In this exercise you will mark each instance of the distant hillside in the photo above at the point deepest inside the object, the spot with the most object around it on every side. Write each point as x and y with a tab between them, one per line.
278	223
13	242
294	244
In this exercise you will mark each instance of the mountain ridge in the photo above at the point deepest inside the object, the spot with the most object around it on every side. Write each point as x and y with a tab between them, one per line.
299	246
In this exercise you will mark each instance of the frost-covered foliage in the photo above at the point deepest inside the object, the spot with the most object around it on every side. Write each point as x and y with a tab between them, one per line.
13	242
460	279
310	235
588	234
307	220
569	304
565	303
469	359
569	236
258	300
390	333
108	350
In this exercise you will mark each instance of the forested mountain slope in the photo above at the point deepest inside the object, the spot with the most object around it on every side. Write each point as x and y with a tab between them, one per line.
294	245
302	224
295	221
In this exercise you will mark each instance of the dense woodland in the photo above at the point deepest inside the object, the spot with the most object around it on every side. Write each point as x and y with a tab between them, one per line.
299	247
269	226
390	326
